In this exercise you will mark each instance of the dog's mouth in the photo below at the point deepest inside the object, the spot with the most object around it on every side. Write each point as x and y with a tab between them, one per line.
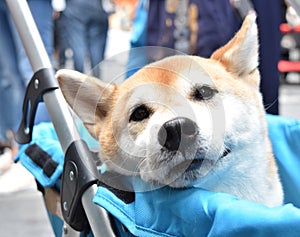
198	162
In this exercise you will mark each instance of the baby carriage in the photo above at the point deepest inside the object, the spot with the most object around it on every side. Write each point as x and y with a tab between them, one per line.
89	206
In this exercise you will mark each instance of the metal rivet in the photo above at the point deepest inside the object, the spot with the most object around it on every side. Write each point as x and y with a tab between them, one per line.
71	175
65	230
36	83
65	206
27	130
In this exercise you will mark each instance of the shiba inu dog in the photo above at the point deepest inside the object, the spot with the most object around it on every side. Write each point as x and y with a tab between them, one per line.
185	121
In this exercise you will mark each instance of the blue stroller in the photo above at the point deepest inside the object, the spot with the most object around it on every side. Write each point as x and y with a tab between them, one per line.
62	161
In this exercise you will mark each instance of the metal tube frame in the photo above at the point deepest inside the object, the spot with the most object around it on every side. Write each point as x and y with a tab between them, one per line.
58	109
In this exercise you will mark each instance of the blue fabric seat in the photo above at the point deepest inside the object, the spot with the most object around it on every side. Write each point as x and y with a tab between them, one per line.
285	138
196	212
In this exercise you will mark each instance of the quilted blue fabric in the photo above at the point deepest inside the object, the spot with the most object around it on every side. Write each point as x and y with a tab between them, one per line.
195	212
285	138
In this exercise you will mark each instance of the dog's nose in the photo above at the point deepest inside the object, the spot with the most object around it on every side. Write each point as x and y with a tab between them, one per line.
176	132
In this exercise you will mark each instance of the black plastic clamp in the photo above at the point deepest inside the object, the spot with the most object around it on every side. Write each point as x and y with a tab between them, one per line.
41	82
79	174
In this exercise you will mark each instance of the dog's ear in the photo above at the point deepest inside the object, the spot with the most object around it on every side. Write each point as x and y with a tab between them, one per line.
240	54
89	97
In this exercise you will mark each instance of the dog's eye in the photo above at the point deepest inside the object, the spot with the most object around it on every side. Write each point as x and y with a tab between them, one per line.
204	93
140	113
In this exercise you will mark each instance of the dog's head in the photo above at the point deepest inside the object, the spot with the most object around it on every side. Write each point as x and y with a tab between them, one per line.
180	120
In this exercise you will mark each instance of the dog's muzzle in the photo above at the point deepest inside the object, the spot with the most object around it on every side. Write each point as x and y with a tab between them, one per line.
177	133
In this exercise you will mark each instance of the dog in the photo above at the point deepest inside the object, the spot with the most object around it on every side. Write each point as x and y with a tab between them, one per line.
185	121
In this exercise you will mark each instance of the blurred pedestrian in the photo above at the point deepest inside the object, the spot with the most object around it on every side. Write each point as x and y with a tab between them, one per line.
15	69
187	26
191	26
11	88
85	26
269	38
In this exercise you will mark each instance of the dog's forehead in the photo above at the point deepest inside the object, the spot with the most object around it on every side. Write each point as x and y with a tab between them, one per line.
176	72
170	80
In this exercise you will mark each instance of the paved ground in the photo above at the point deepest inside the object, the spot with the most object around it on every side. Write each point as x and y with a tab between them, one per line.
22	211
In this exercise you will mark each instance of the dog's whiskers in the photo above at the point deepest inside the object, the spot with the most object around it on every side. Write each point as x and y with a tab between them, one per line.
270	105
140	164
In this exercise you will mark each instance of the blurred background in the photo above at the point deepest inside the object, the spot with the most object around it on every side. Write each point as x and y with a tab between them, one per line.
98	38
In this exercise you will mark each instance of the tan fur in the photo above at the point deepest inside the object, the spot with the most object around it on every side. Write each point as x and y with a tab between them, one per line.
234	117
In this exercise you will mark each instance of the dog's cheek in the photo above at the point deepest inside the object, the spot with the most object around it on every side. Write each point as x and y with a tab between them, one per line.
241	121
211	123
118	154
108	144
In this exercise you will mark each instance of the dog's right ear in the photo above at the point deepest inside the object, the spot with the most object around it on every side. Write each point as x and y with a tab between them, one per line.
89	97
240	55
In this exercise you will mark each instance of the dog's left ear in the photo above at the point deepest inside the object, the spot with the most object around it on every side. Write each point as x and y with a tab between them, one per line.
240	55
89	97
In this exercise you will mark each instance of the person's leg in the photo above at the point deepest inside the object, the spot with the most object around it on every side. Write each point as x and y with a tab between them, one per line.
77	42
11	91
74	28
62	44
269	36
96	26
97	43
97	35
11	87
41	11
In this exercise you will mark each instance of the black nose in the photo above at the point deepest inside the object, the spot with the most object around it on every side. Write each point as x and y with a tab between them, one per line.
176	132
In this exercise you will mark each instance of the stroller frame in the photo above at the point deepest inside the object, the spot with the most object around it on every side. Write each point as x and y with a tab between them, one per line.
76	193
